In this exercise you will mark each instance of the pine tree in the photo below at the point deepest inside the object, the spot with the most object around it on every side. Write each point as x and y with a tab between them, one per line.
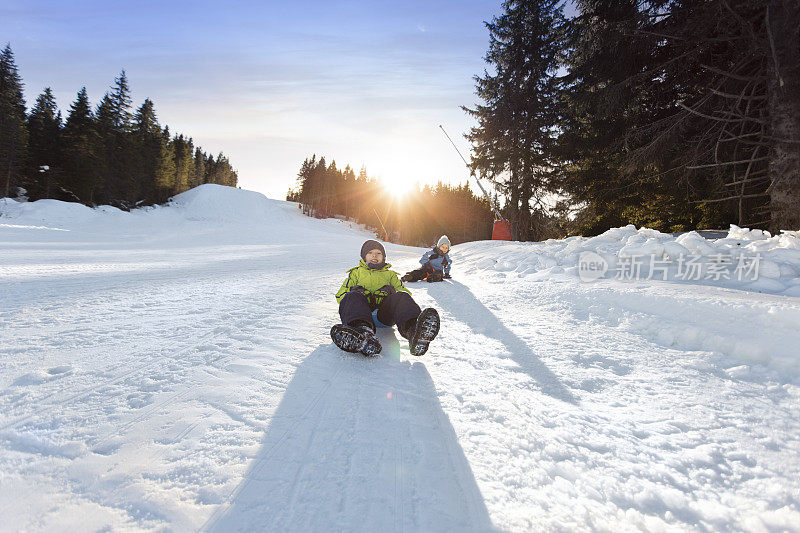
198	169
109	181
419	219
109	156
304	180
209	165
332	176
318	184
117	163
674	109
145	123
348	190
120	98
517	124
80	143
165	168
13	131
44	138
224	172
182	150
599	108
146	133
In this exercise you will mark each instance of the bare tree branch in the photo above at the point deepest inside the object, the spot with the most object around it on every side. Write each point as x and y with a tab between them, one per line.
738	97
764	158
754	178
718	119
731	74
715	200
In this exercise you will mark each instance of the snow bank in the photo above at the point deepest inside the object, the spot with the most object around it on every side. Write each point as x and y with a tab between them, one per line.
215	204
745	259
45	213
674	290
226	204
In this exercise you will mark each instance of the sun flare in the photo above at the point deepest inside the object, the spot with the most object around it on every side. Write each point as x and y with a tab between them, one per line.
398	187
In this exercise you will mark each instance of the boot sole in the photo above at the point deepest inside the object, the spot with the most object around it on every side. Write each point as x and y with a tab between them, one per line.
427	328
350	340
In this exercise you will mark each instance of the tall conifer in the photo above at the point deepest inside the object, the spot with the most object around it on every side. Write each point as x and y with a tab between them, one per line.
44	138
80	144
13	131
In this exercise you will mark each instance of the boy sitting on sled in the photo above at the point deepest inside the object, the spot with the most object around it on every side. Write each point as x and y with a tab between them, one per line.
435	263
372	286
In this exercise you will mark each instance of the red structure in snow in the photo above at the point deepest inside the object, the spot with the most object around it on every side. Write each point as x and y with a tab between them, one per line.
501	231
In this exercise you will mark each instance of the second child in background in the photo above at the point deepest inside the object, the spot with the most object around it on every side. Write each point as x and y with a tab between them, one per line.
435	263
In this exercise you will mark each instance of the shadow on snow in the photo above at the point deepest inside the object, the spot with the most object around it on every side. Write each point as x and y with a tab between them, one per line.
357	444
458	300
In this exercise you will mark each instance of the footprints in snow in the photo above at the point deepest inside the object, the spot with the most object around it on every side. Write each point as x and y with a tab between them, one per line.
40	376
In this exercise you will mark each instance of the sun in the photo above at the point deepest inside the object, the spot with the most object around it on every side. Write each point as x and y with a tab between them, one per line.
398	187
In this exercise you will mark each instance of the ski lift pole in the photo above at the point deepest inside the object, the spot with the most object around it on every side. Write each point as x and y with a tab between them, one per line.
501	229
385	234
496	211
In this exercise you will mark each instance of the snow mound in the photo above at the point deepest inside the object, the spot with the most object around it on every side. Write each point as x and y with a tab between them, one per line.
745	259
673	290
217	204
45	213
226	204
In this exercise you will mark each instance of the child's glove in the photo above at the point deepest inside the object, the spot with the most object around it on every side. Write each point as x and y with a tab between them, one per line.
386	290
357	288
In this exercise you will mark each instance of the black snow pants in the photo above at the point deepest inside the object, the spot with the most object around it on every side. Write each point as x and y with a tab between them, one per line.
425	272
396	308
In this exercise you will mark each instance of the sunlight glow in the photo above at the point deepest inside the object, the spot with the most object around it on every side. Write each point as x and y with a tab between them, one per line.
398	187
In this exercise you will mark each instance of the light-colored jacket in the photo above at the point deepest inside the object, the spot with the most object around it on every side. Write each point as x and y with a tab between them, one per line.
439	262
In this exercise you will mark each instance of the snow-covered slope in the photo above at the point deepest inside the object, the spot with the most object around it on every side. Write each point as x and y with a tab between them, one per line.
170	369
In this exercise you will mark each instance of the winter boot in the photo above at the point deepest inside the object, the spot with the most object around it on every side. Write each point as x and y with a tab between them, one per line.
433	277
372	346
356	339
422	331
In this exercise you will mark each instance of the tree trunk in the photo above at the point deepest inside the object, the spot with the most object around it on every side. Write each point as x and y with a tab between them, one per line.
784	115
10	164
513	204
527	215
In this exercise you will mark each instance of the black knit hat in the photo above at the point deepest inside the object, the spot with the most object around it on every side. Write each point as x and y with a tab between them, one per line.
372	245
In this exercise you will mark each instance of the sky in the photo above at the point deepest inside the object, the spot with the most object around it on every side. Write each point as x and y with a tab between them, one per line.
363	82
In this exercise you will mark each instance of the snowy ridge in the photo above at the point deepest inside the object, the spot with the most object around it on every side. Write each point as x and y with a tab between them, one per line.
778	269
170	369
210	203
749	332
225	204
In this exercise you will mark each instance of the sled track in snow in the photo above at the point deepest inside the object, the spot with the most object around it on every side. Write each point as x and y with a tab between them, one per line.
399	478
289	512
258	463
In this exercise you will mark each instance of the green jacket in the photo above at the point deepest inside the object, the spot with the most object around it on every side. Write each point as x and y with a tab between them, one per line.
372	281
